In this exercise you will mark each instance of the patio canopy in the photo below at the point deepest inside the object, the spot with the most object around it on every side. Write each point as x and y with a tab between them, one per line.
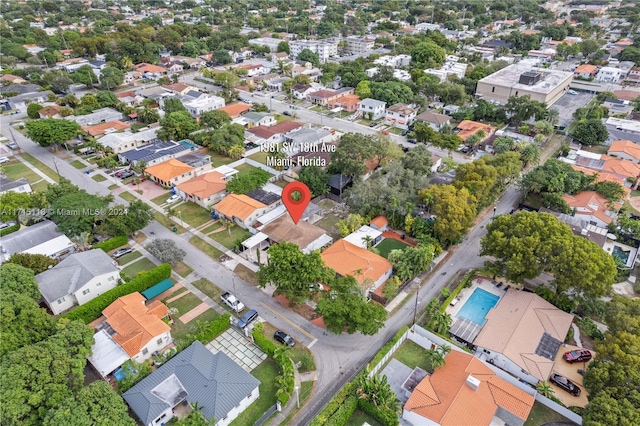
254	240
157	289
465	330
106	355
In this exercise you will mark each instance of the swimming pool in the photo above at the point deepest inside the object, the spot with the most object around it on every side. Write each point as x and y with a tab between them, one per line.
188	143
621	254
477	306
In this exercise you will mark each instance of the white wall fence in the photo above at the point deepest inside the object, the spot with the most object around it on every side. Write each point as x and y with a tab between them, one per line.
426	339
254	163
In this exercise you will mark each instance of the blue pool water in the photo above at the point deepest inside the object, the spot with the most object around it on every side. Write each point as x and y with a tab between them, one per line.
477	306
621	254
120	374
188	143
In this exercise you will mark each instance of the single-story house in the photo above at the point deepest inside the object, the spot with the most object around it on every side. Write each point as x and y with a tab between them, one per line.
369	269
102	115
20	185
12	79
586	71
464	391
50	111
204	190
348	103
240	208
203	103
178	88
78	279
236	110
156	152
138	328
522	335
306	236
467	128
380	223
105	128
259	119
274	134
625	149
40	238
170	173
365	237
304	140
324	97
127	140
218	384
592	207
433	119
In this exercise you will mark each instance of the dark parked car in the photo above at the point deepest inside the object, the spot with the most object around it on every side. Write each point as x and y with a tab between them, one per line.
126	174
374	124
405	132
412	140
565	384
287	113
122	251
578	355
284	338
248	318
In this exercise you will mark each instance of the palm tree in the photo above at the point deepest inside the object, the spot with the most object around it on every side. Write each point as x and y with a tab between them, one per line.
545	389
553	115
440	322
377	391
437	357
530	154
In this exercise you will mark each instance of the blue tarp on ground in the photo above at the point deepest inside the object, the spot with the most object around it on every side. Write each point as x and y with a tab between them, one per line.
161	287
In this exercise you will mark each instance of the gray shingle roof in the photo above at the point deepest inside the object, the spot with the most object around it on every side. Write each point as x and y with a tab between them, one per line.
73	272
29	237
215	382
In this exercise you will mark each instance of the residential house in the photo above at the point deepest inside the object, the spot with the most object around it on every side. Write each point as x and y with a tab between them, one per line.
634	76
129	98
156	152
620	128
275	133
21	102
369	269
78	279
236	110
20	185
586	71
170	173
102	115
380	223
464	391
372	109
241	209
625	149
618	106
301	91
202	104
216	383
137	327
275	85
12	79
592	207
610	75
347	103
467	128
132	76
50	111
436	162
105	128
252	69
261	80
127	140
325	97
306	236
522	335
40	238
178	88
433	119
364	237
400	116
339	183
152	72
305	139
449	68
204	190
254	119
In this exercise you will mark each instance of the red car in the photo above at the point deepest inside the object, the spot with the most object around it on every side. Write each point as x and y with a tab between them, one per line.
577	355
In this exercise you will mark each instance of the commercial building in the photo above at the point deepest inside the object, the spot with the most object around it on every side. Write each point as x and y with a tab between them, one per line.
358	45
543	85
324	48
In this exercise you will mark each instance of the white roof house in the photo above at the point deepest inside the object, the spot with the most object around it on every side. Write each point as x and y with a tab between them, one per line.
361	236
106	355
40	238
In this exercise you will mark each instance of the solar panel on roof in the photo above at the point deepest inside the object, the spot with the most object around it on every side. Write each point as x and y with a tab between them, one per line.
548	346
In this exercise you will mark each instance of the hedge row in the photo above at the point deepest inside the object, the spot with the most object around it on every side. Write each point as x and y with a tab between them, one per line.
464	283
387	347
112	243
266	345
334	405
93	309
214	329
384	415
344	412
9	230
290	385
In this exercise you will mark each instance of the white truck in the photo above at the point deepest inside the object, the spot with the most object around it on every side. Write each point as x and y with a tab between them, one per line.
231	301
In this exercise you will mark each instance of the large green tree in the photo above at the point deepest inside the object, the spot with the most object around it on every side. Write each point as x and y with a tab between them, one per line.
428	54
591	131
242	184
176	126
36	262
316	179
214	119
23	322
138	215
12	203
412	261
522	108
454	209
78	212
111	78
294	273
19	279
51	131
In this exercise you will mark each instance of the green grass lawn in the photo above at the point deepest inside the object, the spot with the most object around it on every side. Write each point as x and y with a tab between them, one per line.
541	415
281	183
215	225
112	187
328	223
628	208
246	274
160	199
141	265
266	373
218	160
98	178
193	214
41	166
412	355
243	169
40	186
127	196
389	244
206	248
167	223
359	417
15	170
326	204
185	303
129	257
260	157
228	239
182	269
78	164
179	330
210	289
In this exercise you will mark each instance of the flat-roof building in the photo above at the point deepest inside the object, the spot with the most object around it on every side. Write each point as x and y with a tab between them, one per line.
543	85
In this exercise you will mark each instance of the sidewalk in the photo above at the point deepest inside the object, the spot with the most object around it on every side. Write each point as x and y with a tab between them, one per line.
293	401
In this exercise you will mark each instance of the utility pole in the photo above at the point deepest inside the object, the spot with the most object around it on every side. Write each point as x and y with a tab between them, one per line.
415	310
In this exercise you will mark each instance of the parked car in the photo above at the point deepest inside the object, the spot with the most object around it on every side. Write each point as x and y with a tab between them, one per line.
12	145
578	355
287	113
231	301
4	160
405	132
173	198
248	318
122	251
7	225
127	174
284	338
373	124
412	140
565	384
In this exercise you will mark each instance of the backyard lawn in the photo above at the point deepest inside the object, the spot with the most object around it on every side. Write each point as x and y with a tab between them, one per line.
260	157
541	415
412	355
266	373
389	244
228	239
98	178
141	265
41	166
184	304
206	248
192	214
359	417
78	164
179	330
218	160
243	169
167	223
328	223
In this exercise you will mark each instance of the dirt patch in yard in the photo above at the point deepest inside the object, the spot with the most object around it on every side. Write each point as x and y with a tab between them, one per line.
301	309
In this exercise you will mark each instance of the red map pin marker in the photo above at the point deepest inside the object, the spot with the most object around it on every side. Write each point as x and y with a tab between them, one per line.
296	207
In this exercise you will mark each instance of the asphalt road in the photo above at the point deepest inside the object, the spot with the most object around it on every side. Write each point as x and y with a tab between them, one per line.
338	357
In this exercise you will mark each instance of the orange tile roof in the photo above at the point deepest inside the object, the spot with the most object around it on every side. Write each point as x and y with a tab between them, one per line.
348	259
620	166
469	127
594	204
127	94
168	170
204	186
238	205
604	177
144	67
101	129
234	110
515	326
627	147
446	399
176	87
50	110
380	221
134	323
627	94
586	69
347	100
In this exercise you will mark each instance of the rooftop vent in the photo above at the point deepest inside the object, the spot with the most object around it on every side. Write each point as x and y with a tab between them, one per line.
473	383
530	77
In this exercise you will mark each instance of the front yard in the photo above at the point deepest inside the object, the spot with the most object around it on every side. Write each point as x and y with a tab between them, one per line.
192	213
267	372
141	265
184	304
179	331
228	237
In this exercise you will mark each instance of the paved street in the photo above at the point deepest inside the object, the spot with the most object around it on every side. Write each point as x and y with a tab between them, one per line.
338	358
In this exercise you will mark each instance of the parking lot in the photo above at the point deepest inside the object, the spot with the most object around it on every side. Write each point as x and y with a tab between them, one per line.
568	104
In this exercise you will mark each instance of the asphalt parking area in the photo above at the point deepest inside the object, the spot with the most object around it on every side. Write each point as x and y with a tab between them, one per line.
568	104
